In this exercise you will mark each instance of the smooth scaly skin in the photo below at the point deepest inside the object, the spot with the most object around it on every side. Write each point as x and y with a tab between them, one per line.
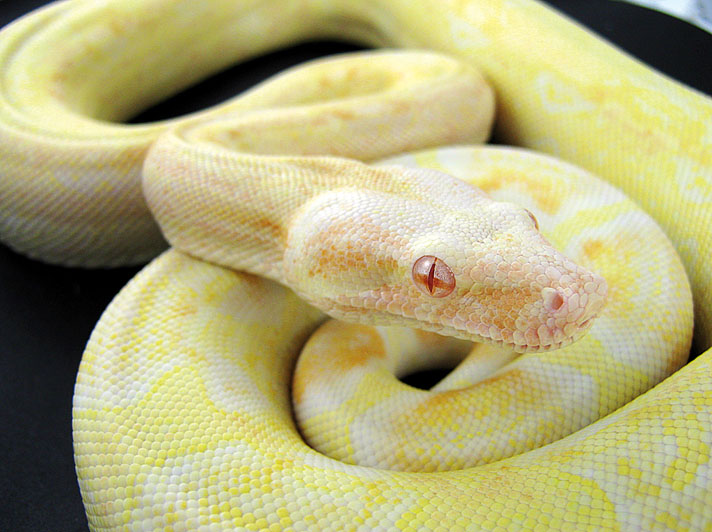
345	235
158	362
349	405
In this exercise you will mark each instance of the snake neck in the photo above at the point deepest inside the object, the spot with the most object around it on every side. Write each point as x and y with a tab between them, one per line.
254	200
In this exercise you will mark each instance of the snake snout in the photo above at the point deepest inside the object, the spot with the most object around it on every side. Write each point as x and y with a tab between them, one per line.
570	309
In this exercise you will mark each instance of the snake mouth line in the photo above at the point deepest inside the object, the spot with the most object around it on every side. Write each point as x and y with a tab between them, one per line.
347	312
526	348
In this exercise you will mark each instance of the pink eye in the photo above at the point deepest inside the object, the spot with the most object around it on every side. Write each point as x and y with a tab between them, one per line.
433	277
536	222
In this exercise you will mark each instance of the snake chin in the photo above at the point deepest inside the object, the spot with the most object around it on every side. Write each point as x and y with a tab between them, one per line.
374	309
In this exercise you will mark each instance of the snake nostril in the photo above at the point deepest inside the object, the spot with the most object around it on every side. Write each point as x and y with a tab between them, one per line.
533	218
553	300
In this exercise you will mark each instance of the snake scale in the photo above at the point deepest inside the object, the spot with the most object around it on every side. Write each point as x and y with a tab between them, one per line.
582	412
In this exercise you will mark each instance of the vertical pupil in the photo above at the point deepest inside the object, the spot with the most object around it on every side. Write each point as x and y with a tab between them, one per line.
431	277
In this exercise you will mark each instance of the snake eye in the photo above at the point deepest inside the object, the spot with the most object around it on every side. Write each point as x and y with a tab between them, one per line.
536	222
433	277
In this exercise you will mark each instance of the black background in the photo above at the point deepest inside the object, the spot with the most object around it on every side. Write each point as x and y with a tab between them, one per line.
47	312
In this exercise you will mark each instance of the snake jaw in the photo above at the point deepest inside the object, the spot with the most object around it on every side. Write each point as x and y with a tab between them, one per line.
458	264
529	320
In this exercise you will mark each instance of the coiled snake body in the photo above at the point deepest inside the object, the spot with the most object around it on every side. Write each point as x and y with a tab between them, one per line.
182	416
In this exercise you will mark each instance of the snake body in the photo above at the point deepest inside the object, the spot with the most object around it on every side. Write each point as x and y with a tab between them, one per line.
182	418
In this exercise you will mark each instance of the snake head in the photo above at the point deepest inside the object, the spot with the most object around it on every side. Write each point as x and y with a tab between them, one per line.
448	259
512	287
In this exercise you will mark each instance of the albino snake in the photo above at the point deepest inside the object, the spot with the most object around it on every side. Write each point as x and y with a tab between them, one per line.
182	418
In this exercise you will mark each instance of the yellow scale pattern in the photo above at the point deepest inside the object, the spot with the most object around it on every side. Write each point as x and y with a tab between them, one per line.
182	419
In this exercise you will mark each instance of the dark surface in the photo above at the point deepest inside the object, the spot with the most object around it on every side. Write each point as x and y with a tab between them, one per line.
47	312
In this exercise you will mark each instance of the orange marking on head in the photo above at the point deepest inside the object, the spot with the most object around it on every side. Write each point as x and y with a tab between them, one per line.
337	254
